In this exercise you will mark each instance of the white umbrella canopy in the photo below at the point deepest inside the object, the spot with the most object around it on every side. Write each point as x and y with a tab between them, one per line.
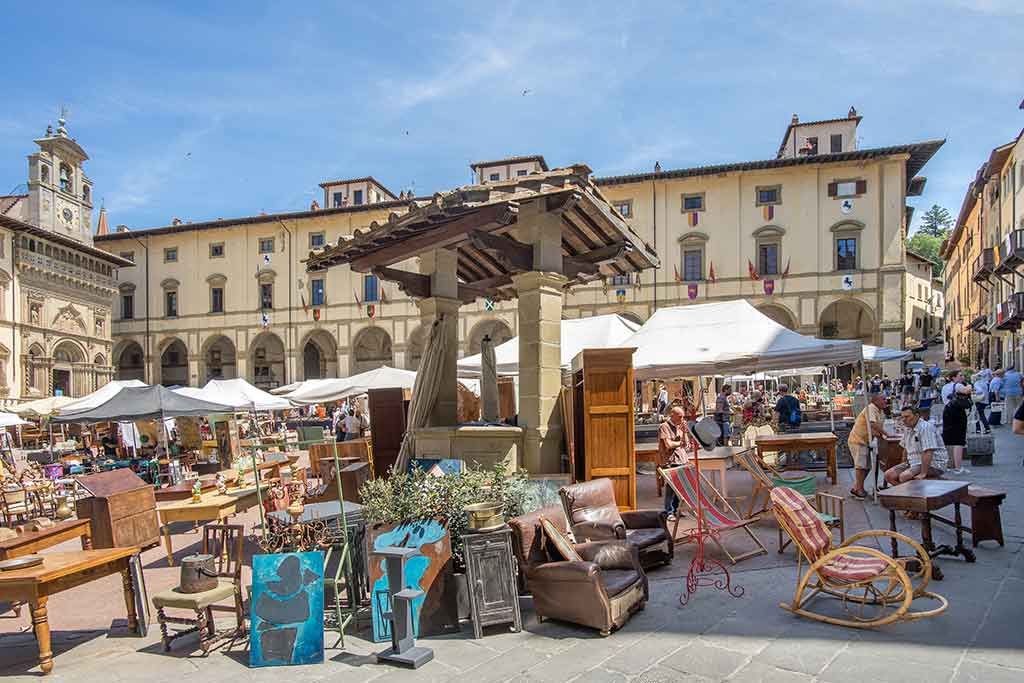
238	394
336	389
43	407
882	354
101	395
726	338
595	332
11	420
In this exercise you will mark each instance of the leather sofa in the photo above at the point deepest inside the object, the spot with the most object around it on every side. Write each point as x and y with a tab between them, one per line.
602	591
594	516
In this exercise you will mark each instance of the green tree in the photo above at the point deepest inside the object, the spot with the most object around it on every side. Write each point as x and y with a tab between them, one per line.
926	245
936	222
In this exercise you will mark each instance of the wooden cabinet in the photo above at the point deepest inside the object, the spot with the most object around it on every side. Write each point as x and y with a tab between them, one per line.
491	573
603	427
388	410
121	511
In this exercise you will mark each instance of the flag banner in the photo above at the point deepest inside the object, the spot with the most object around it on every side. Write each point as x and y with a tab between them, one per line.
752	271
356	296
694	219
371	310
769	212
711	273
676	268
691	291
316	314
620	296
769	287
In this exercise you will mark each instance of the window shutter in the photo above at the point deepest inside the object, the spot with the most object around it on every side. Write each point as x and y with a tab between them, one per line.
862	186
833	189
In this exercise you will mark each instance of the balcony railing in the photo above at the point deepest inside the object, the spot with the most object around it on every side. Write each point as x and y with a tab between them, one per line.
984	265
1011	253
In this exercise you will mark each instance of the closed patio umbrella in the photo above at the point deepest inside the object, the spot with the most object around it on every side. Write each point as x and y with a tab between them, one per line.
488	382
424	391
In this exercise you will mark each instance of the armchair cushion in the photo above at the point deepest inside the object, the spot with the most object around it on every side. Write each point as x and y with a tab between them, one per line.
559	541
224	589
565	571
618	580
644	538
643	519
851	568
599	530
610	555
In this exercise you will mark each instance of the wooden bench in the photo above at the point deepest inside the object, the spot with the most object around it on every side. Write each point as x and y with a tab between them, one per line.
986	524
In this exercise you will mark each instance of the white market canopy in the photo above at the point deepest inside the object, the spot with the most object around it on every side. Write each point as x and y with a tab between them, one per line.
11	420
597	332
882	354
727	338
143	403
43	407
339	388
101	395
238	394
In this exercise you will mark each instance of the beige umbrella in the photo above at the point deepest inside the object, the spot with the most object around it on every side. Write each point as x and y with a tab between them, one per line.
43	407
488	382
424	391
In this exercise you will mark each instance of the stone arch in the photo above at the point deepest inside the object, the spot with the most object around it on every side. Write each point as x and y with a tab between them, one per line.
371	349
67	359
68	351
267	360
319	355
780	314
848	319
414	347
99	360
496	328
219	360
173	363
631	317
129	361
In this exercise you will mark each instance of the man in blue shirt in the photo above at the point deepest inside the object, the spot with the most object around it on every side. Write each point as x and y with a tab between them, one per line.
787	408
1011	391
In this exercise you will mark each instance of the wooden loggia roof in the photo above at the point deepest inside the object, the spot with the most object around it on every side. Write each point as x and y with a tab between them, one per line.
596	240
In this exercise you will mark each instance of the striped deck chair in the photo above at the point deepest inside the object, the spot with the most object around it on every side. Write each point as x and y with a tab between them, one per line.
873	588
684	482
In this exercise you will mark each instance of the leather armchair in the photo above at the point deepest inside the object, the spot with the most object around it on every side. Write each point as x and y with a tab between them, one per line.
601	591
594	516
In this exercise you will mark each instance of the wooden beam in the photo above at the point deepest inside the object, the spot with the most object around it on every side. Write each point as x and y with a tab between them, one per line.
442	236
516	254
413	284
603	255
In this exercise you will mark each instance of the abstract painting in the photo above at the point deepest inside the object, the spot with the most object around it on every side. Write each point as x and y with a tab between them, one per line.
287	609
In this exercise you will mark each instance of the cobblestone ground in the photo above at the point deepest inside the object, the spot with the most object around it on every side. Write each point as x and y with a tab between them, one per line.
714	638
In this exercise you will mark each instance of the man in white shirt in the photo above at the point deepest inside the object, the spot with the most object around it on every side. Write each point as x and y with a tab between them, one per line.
926	454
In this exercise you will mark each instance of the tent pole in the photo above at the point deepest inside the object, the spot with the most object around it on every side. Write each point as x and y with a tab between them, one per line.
256	471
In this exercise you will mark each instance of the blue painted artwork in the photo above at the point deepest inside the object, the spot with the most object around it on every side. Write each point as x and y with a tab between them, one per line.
287	611
431	537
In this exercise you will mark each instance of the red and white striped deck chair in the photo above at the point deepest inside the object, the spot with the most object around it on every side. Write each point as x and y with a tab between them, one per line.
718	521
874	589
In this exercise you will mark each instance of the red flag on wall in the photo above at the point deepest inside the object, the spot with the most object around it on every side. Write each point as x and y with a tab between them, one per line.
711	272
752	271
785	273
678	279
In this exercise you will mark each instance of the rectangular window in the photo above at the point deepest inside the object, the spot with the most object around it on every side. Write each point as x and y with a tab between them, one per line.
812	145
846	253
521	172
693	202
769	195
170	255
625	207
266	245
127	307
216	300
317	240
316	292
338	198
768	259
494	176
836	143
217	250
128	255
371	290
357	197
847	188
622	280
171	304
693	265
266	295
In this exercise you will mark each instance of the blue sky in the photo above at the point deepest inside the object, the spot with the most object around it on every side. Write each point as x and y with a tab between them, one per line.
206	110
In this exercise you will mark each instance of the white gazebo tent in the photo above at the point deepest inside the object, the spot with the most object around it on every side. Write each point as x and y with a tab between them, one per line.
238	394
881	354
337	389
597	332
100	396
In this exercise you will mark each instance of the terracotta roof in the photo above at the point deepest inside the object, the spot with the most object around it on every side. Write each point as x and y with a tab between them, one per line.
7	202
591	229
34	230
366	179
800	124
920	153
512	160
921	257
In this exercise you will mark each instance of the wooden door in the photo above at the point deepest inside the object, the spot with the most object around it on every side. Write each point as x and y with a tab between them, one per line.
608	423
387	427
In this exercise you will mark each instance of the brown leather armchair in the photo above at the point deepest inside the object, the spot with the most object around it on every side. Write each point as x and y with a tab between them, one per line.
594	516
602	591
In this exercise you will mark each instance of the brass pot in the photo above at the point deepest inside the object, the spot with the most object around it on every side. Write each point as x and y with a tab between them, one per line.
64	509
484	516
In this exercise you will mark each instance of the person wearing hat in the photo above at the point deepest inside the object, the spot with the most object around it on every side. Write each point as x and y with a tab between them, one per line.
954	425
868	425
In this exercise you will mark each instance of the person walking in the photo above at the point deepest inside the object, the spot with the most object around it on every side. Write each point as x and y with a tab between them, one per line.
723	414
981	402
954	426
1011	391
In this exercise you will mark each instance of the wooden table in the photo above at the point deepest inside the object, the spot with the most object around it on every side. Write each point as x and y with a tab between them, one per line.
790	442
720	459
213	507
31	542
59	572
924	496
183	489
648	452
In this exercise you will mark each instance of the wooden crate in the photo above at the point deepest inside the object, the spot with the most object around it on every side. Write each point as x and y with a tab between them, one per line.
121	511
604	440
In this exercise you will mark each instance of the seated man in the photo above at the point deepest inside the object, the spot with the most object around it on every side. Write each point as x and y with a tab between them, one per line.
926	454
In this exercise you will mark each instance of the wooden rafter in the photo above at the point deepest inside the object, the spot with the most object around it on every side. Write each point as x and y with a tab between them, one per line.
414	285
515	254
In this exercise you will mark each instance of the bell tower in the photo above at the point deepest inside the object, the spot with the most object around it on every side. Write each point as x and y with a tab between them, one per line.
59	193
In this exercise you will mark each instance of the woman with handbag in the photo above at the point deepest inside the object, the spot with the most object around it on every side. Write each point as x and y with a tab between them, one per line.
954	426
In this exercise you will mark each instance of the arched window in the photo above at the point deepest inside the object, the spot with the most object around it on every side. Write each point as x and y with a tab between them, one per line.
66	178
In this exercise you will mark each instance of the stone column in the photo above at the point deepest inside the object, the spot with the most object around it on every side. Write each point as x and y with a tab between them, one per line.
540	375
440	265
194	380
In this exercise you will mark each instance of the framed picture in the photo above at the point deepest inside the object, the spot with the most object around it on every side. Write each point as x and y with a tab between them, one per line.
542	490
287	611
139	592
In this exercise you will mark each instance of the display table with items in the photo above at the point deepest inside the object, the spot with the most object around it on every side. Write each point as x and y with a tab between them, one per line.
28	542
211	507
789	442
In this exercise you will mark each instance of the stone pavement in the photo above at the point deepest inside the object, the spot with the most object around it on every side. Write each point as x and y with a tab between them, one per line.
714	638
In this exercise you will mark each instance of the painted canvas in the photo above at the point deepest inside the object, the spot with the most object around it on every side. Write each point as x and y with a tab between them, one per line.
542	491
287	613
430	571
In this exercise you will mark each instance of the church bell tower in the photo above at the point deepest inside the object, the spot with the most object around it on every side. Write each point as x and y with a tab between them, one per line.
59	193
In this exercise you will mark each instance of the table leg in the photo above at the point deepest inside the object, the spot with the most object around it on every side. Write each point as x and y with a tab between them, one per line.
87	541
41	626
926	532
722	486
833	466
167	542
129	598
892	527
967	553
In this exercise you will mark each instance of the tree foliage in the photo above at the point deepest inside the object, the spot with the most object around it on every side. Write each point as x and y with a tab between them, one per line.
928	246
936	222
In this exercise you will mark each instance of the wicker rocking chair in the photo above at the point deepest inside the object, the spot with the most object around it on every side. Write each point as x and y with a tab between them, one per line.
874	589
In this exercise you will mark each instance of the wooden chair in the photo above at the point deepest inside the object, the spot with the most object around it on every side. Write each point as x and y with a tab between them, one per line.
719	520
224	542
16	504
874	589
830	508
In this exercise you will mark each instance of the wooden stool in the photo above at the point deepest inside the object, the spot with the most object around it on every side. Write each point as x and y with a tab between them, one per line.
986	525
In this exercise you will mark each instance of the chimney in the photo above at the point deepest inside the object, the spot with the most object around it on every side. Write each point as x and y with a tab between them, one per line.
122	228
852	114
314	205
175	221
795	120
